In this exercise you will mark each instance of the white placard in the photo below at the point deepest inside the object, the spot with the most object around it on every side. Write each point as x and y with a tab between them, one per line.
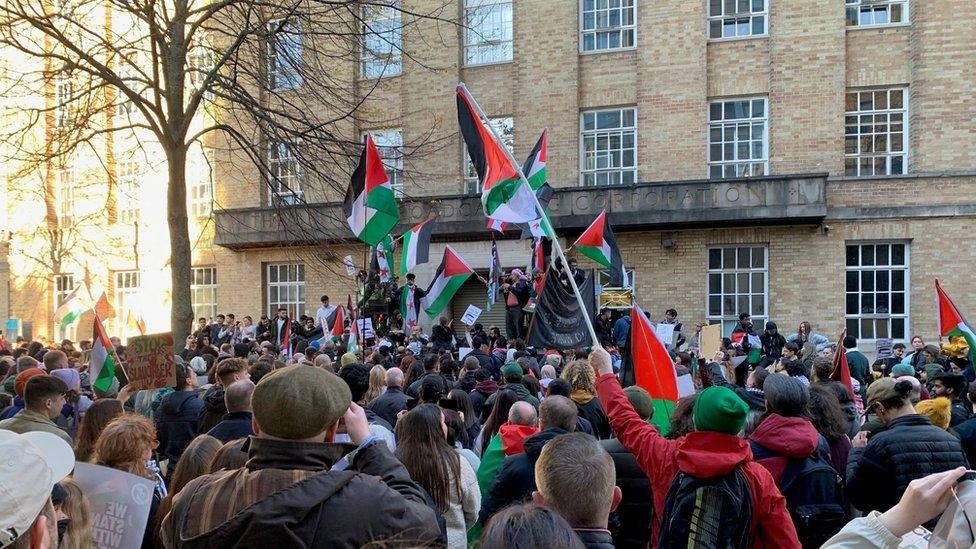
665	333
736	360
685	385
365	326
470	315
350	266
463	352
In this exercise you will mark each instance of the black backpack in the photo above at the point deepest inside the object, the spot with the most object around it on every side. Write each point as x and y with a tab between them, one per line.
707	512
814	495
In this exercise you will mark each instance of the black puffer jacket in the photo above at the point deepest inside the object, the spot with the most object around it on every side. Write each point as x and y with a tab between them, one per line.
176	424
911	448
630	523
515	480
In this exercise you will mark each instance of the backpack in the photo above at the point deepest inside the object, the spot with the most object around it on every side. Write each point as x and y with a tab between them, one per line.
814	495
707	512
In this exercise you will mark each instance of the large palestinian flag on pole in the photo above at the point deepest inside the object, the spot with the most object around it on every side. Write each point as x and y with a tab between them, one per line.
951	323
597	243
71	309
370	206
503	195
102	363
416	246
653	368
451	274
535	165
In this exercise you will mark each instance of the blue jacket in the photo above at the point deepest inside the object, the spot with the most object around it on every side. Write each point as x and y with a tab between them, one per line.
621	331
232	426
176	424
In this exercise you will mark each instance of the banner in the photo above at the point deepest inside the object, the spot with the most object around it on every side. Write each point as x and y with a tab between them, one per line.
558	322
150	363
119	504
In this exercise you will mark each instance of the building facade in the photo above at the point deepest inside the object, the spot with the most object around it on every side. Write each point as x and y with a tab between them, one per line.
793	159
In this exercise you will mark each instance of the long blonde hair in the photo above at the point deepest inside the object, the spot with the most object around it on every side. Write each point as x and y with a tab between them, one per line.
377	383
76	507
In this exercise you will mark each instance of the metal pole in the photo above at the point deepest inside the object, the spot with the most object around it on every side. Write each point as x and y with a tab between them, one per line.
542	214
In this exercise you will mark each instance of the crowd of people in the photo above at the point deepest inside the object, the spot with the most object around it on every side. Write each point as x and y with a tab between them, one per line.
303	443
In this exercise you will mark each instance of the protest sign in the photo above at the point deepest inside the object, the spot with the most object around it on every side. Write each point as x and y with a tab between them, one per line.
119	504
665	333
686	386
463	352
150	362
883	346
711	340
350	266
365	326
471	315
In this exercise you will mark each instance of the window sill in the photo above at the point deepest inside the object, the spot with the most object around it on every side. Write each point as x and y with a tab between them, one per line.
737	38
488	64
611	50
364	78
876	27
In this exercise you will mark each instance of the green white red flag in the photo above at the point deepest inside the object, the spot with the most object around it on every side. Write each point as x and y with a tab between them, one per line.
598	243
951	323
370	206
535	165
653	368
71	309
101	363
451	275
416	246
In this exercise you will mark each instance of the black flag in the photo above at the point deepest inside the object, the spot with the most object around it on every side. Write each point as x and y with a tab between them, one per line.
558	322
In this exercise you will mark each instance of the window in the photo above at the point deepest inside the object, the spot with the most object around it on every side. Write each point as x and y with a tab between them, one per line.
203	292
64	284
285	173
201	62
738	282
608	24
381	40
736	18
389	143
286	288
64	91
874	132
126	290
66	197
609	147
872	13
284	55
129	173
737	138
488	31
505	128
129	63
877	296
201	189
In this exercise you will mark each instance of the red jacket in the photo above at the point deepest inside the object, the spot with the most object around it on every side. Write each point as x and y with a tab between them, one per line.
703	454
786	438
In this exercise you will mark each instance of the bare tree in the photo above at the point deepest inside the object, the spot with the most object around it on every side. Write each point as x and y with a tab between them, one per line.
276	82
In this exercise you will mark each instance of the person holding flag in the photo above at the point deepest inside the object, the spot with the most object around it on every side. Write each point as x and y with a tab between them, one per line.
410	297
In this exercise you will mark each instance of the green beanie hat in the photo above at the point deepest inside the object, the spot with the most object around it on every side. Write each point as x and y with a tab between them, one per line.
719	409
512	372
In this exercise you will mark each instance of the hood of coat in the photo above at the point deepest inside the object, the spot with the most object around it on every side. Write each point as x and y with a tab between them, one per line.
487	388
793	437
709	454
513	437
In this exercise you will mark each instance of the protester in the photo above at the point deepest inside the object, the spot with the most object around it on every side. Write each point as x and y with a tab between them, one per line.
393	400
176	424
472	425
522	423
101	413
805	334
512	375
226	372
636	504
953	387
43	401
236	423
423	449
580	376
229	457
73	511
484	388
827	416
356	376
856	361
529	526
377	383
194	462
498	414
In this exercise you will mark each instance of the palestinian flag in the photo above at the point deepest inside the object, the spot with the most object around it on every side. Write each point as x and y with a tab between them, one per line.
543	225
416	246
842	371
597	243
353	342
72	308
503	195
951	323
535	165
370	206
653	368
101	364
339	324
451	274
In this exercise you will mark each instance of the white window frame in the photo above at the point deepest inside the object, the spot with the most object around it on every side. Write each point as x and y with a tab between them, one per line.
723	124
596	30
199	64
596	134
127	183
63	96
861	316
729	319
285	50
381	64
295	272
127	285
200	194
855	7
64	284
854	119
203	284
128	70
66	196
479	48
389	143
279	176
737	17
505	127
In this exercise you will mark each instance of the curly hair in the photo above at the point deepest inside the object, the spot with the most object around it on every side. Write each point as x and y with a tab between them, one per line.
580	376
124	442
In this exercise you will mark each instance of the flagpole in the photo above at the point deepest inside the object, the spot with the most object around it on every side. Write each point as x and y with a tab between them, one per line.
542	214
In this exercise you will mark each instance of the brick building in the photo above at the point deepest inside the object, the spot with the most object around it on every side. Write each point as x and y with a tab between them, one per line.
795	159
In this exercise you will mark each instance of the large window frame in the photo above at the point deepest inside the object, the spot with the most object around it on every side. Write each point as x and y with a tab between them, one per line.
382	41
737	19
203	292
66	196
389	143
873	122
200	195
607	25
734	273
284	63
285	287
64	284
504	126
877	275
64	89
608	149
129	174
488	32
127	285
284	173
736	127
861	14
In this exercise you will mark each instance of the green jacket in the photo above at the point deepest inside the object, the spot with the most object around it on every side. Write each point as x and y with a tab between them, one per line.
507	442
27	421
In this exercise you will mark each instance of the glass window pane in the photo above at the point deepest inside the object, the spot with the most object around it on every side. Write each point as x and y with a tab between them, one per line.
714	305
758	305
852	256
852	308
851	281
743	258
715	258
728	258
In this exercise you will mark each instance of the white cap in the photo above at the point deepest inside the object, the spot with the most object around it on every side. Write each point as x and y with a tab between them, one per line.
30	465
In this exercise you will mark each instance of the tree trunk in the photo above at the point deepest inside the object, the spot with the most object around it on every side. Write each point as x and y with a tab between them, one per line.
181	314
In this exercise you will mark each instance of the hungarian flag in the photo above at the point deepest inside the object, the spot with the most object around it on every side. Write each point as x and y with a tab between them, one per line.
653	368
842	371
450	275
101	363
951	323
503	195
416	245
496	225
535	165
370	206
597	243
71	309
